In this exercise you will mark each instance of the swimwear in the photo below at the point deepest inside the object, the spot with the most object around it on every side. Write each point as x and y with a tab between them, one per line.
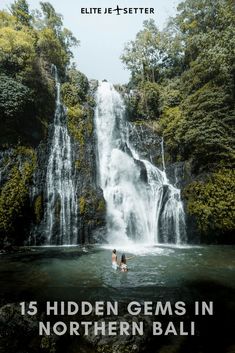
123	267
114	265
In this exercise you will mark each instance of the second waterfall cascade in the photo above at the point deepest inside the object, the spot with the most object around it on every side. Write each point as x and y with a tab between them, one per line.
142	206
61	206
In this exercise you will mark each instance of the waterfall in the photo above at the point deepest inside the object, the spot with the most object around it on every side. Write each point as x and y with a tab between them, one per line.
163	155
61	206
142	206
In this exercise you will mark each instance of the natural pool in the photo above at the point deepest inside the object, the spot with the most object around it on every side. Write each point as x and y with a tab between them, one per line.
156	273
153	270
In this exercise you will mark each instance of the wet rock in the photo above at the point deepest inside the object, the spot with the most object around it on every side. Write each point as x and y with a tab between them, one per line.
144	138
121	343
143	171
19	333
13	322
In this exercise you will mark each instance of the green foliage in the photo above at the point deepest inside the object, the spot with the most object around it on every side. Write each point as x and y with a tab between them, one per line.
25	37
206	134
82	205
212	202
20	9
17	51
52	20
38	209
148	105
143	55
171	119
15	98
74	93
76	126
7	20
50	48
12	199
75	112
15	191
70	95
75	90
91	207
170	94
132	106
101	206
80	124
29	44
80	81
144	103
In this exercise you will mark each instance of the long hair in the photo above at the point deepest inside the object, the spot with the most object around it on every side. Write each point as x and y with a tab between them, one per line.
123	259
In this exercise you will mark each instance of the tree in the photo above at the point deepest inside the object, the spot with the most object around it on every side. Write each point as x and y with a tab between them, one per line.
51	25
143	55
15	98
7	20
51	50
199	19
148	105
52	19
211	201
20	9
16	50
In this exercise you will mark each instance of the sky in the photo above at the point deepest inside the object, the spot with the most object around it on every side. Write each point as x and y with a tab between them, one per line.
102	37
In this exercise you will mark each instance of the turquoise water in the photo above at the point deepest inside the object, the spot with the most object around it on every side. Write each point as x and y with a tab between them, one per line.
189	274
82	269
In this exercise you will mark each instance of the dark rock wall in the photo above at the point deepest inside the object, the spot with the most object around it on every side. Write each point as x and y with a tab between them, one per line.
23	166
91	204
144	138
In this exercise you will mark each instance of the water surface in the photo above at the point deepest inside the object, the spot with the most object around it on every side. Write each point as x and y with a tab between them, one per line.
86	270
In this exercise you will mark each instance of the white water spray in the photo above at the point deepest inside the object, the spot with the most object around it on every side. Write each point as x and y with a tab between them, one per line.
142	206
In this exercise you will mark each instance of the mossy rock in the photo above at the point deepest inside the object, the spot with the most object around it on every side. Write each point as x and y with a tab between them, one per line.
92	206
14	193
38	208
210	200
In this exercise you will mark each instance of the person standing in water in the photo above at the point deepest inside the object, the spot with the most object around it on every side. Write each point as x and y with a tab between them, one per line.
123	265
114	259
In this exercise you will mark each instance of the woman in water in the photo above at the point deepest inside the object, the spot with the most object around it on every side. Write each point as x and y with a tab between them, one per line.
114	260
123	265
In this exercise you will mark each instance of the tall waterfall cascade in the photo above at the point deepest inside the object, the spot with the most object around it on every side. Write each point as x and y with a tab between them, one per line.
142	206
61	206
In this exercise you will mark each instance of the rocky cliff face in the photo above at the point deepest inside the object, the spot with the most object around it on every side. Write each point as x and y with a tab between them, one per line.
144	138
17	166
91	204
23	170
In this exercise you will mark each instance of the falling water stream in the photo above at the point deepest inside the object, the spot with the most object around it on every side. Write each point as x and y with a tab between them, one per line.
61	205
142	206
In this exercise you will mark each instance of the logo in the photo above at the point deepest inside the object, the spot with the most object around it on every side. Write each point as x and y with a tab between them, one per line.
117	11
